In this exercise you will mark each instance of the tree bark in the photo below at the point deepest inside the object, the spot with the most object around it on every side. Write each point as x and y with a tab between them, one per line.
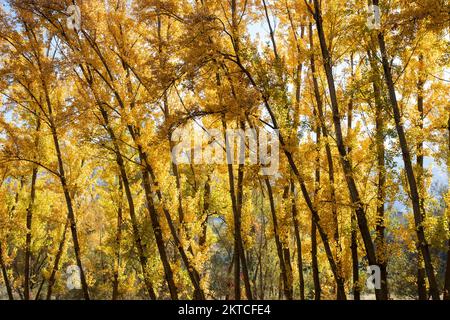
5	275
287	288
412	182
29	223
421	284
131	208
381	173
51	280
298	242
329	155
115	291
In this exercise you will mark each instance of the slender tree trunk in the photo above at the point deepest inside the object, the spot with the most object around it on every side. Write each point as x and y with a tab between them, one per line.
298	241
71	213
314	260
29	222
131	208
115	291
157	230
294	168
421	284
381	172
27	274
51	280
347	167
206	201
412	182
5	275
324	130
355	263
354	233
240	194
287	288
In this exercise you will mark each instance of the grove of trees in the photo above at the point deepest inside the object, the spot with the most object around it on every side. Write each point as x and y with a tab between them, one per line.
359	104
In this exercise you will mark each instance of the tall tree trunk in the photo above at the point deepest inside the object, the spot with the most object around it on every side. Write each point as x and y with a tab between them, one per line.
236	217
381	172
26	292
314	260
115	291
29	221
346	164
412	182
340	291
71	213
287	288
298	174
354	233
59	253
421	284
131	208
240	195
298	242
5	275
355	263
157	231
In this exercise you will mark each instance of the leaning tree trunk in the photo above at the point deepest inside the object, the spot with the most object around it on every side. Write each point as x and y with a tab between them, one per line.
5	275
115	291
298	242
131	208
324	130
381	172
346	164
287	288
412	182
314	260
29	221
59	253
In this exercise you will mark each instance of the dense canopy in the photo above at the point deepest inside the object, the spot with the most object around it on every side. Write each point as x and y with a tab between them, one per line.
211	149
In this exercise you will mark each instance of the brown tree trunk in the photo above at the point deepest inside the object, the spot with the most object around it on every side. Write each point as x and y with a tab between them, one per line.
236	202
347	167
324	131
29	222
134	222
27	275
355	263
115	291
354	232
381	172
421	284
5	275
51	280
314	260
287	288
295	170
412	182
71	213
157	231
298	241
